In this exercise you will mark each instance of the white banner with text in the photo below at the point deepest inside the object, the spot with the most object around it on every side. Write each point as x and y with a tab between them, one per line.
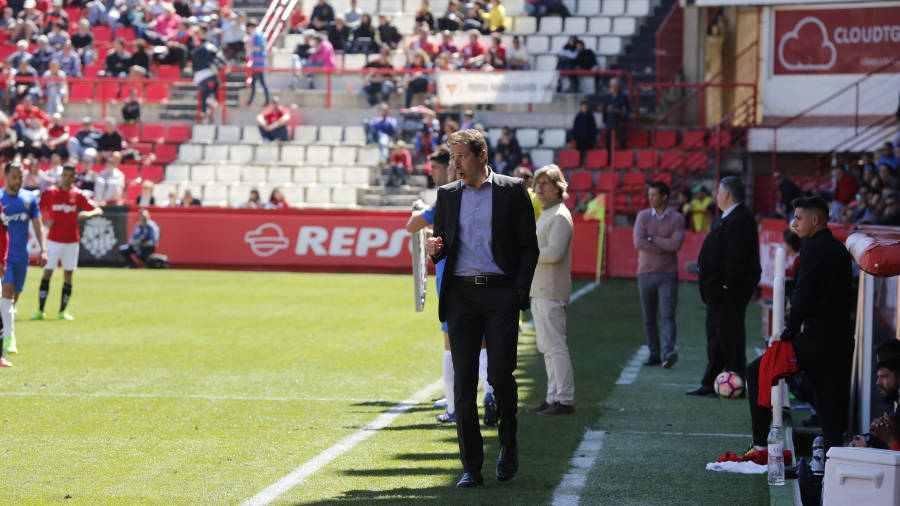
512	87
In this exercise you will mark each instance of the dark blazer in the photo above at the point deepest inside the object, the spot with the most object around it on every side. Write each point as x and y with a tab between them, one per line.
729	259
819	321
513	237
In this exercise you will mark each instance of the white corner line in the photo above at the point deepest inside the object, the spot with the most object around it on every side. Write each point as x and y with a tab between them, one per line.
568	492
300	474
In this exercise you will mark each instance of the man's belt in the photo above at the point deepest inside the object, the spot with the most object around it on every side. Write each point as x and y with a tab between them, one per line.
484	279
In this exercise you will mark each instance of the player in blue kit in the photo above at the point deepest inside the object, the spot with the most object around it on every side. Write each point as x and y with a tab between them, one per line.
20	207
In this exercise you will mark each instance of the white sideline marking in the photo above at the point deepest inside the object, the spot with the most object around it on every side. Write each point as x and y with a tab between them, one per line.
300	474
583	290
690	434
630	372
568	492
127	395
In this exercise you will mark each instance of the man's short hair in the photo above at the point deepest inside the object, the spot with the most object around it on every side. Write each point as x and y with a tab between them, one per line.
892	363
734	186
523	172
11	166
68	166
556	178
814	205
888	349
471	138
441	155
661	187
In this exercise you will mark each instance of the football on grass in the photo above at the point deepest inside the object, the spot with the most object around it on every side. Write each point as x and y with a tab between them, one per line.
729	385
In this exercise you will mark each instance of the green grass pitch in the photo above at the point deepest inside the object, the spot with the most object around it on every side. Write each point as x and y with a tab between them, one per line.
204	387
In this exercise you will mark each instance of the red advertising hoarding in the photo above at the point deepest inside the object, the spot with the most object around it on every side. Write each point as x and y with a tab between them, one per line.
855	40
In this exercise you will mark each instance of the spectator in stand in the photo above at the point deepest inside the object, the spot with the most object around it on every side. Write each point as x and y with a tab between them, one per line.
110	183
556	7
99	12
69	62
787	192
500	165
57	139
253	201
517	57
84	143
844	191
889	156
443	62
496	17
421	42
25	83
701	209
118	60
447	45
142	56
586	60
339	34
526	162
57	37
176	50
468	120
387	33
364	36
55	90
28	22
536	8
379	84
527	176
321	57
473	53
8	138
26	111
424	15
584	130
496	54
452	19
33	138
566	61
474	22
417	81
31	179
508	146
450	127
872	211
7	23
188	200
83	41
322	16
21	53
258	60
276	200
235	34
206	58
144	240
400	165
146	197
131	109
891	214
382	130
298	20
855	210
888	176
427	137
273	121
353	16
615	109
56	16
40	58
111	142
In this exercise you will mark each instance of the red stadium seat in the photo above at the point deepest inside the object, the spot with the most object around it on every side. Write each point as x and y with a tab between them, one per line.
132	193
580	181
93	70
671	160
74	14
663	177
157	93
596	159
107	90
102	51
130	170
154	133
638	139
126	89
721	138
97	167
169	72
127	34
693	139
143	148
622	202
697	161
152	173
6	50
569	159
634	182
665	139
623	159
646	159
607	181
165	153
639	201
81	92
129	131
102	34
178	133
571	202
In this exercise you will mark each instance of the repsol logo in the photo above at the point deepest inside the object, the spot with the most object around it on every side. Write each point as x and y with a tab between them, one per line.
268	239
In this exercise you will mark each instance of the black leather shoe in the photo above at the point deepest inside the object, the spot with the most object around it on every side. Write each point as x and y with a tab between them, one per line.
700	391
652	361
507	463
470	480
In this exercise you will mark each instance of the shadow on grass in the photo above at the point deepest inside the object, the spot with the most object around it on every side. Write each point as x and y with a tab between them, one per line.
398	471
427	456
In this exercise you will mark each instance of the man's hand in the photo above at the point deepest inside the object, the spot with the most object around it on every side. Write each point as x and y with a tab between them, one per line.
49	223
43	260
858	442
885	429
434	245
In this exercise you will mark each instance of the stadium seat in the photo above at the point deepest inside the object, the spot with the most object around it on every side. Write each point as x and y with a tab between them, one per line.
279	175
537	44
588	84
607	181
624	26
344	155
130	171
331	134
696	161
546	62
239	193
169	72
354	135
293	194
156	93
580	181
357	176
318	154
129	131
143	148
671	160
153	133
318	194
204	134
165	153
177	174
722	138
222	152
126	34
354	61
541	157
331	175
557	42
305	175
569	159
125	90
368	155
638	8
229	134
514	7
161	192
305	134
588	8
215	195
266	153
634	181
178	133
662	177
190	153
638	139
599	25
253	174
525	25
132	192
91	71
575	25
596	159
623	159
251	135
152	173
344	195
102	34
613	7
646	159
107	91
693	139
238	153
81	92
203	173
570	5
405	23
665	139
527	137
228	174
609	45
292	153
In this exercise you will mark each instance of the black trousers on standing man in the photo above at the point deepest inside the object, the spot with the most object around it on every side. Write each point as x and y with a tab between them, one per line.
726	339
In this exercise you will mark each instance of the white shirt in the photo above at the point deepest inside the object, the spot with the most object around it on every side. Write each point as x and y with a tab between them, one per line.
728	211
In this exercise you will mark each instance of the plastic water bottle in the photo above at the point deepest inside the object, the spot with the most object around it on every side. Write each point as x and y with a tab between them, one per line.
817	466
776	456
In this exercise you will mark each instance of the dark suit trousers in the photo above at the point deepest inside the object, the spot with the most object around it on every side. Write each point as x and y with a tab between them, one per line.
474	311
726	339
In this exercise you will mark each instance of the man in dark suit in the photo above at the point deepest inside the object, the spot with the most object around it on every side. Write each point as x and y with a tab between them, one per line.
818	324
484	228
729	272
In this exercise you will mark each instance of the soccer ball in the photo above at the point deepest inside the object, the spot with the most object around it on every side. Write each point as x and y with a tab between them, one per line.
729	385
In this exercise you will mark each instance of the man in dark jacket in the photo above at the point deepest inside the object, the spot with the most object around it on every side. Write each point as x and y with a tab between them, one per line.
584	129
818	324
729	272
615	109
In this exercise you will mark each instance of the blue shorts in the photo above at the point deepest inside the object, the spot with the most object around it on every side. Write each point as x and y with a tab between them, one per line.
15	274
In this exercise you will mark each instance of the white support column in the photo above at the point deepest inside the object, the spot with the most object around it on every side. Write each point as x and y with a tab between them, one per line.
867	296
777	327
